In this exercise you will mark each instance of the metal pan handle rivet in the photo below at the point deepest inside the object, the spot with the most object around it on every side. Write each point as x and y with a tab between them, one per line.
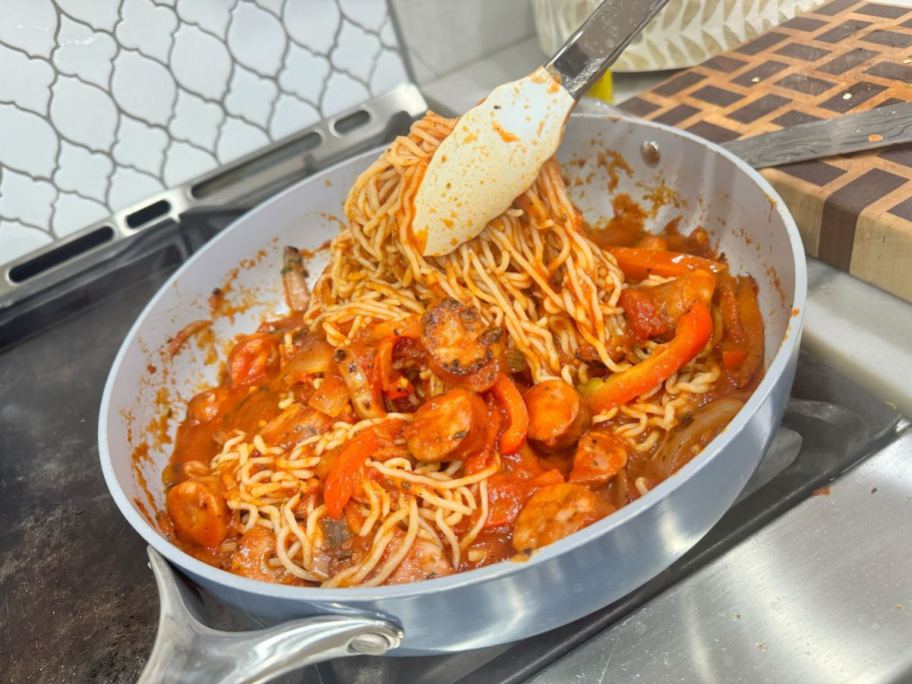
372	644
649	150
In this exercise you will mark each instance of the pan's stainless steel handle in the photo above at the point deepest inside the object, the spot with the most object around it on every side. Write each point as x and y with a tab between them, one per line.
188	651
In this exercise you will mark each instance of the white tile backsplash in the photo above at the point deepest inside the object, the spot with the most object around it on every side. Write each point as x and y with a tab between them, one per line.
256	39
25	81
24	199
146	27
72	212
82	171
28	142
104	102
30	26
81	51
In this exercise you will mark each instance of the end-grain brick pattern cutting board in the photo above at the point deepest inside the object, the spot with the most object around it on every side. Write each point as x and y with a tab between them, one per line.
854	212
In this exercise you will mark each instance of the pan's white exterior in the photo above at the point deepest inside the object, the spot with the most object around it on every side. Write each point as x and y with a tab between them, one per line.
564	581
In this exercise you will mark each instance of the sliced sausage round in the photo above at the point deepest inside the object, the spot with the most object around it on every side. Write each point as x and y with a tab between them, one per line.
554	512
462	350
599	456
255	548
558	416
446	427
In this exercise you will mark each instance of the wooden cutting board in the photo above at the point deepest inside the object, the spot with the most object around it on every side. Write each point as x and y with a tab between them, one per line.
854	212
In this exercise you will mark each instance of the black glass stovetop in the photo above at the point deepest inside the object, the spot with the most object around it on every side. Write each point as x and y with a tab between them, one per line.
77	600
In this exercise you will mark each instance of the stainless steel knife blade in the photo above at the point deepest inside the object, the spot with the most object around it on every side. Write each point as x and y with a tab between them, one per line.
868	130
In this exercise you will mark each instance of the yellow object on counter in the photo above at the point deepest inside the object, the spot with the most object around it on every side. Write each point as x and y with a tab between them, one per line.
603	89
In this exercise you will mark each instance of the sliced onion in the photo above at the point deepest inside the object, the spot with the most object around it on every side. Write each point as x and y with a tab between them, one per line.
515	360
688	439
718	327
315	356
332	396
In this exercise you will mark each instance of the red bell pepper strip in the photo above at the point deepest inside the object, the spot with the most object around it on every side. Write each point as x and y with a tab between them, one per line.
742	340
638	264
392	382
514	408
692	332
507	494
484	456
345	474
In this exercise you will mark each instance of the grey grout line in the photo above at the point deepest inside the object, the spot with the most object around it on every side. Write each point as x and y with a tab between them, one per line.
275	80
203	29
218	140
49	61
63	13
53	215
121	20
10	219
173	116
355	22
326	78
117	51
269	11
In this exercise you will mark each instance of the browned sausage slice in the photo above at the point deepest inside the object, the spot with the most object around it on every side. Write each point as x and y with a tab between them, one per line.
462	350
554	512
558	416
206	406
599	456
449	426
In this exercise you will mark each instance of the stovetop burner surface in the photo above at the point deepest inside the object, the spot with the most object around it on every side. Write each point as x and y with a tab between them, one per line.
78	599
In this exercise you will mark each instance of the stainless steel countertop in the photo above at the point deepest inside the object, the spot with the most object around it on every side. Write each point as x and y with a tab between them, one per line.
861	331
